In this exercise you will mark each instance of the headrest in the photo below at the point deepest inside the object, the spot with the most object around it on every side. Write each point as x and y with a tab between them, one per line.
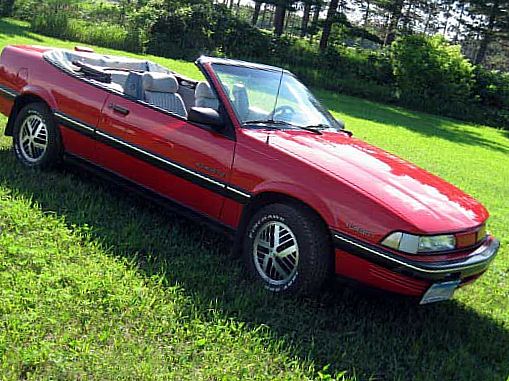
239	90
160	83
241	100
133	85
203	90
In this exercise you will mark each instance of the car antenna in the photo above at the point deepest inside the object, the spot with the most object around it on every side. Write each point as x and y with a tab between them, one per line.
277	94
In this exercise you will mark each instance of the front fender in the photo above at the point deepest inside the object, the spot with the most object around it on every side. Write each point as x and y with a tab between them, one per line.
299	193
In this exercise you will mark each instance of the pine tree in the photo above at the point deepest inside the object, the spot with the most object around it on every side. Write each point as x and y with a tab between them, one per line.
305	17
256	12
327	26
6	7
495	23
395	9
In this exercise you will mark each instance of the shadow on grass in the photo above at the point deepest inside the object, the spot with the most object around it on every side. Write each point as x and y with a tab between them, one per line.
11	29
389	338
424	124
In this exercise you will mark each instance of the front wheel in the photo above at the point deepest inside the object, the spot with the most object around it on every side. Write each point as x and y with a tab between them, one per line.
37	142
287	249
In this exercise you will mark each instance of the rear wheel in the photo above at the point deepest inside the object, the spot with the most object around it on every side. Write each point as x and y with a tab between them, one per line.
37	142
287	249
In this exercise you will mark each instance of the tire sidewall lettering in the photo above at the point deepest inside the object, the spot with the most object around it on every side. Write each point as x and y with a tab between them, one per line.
262	221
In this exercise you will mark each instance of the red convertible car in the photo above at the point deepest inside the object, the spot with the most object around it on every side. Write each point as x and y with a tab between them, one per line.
252	151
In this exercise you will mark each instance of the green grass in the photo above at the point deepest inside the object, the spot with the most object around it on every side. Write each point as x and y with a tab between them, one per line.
98	284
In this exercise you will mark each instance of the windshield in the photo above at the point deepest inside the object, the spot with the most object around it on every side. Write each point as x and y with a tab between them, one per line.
272	97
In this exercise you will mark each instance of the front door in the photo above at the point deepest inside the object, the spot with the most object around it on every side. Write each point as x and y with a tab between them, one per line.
165	153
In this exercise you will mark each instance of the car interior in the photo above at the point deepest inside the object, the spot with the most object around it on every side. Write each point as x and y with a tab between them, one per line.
144	81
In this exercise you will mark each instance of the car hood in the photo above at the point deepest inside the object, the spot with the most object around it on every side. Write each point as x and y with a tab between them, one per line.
424	200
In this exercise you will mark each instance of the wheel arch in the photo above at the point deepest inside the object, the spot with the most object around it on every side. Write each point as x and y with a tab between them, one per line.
28	96
265	198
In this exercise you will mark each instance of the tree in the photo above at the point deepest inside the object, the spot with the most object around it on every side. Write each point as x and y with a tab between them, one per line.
365	7
305	17
495	23
279	17
395	8
256	12
6	7
316	11
327	26
447	14
461	8
431	73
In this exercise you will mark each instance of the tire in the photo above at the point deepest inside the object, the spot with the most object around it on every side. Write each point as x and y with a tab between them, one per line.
303	260
36	138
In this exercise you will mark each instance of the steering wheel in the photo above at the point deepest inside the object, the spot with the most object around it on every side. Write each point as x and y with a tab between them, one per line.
283	112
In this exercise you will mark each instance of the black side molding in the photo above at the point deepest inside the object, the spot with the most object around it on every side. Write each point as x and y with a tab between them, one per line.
8	93
201	179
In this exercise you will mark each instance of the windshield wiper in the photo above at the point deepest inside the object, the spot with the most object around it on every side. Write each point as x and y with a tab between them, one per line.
314	129
324	126
270	122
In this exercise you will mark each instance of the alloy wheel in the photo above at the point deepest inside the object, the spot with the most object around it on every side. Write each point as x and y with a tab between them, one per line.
276	253
33	138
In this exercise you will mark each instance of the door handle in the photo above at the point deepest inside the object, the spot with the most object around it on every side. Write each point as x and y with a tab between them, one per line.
119	109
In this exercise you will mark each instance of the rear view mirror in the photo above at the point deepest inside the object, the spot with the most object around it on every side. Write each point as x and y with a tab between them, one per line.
207	116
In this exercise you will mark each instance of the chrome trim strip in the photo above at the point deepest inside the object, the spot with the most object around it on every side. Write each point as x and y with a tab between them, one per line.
107	136
238	192
403	263
72	121
8	92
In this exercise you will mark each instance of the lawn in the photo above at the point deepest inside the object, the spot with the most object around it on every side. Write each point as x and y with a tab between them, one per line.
98	284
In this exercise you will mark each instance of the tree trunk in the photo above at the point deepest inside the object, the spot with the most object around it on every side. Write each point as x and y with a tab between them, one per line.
428	20
288	18
279	19
327	26
305	19
408	16
483	48
393	24
366	13
447	15
460	21
316	17
316	14
256	13
264	14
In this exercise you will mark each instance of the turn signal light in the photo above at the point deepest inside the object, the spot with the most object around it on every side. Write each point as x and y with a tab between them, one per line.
466	239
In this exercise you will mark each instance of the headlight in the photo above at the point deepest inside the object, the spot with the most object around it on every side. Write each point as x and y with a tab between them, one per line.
436	243
413	244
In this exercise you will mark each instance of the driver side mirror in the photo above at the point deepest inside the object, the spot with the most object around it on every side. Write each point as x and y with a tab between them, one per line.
207	116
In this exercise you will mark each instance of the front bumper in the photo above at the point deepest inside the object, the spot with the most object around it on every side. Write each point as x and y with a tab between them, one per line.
405	275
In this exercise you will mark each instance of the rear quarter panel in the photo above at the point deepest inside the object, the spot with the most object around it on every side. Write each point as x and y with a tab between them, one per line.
9	80
24	69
